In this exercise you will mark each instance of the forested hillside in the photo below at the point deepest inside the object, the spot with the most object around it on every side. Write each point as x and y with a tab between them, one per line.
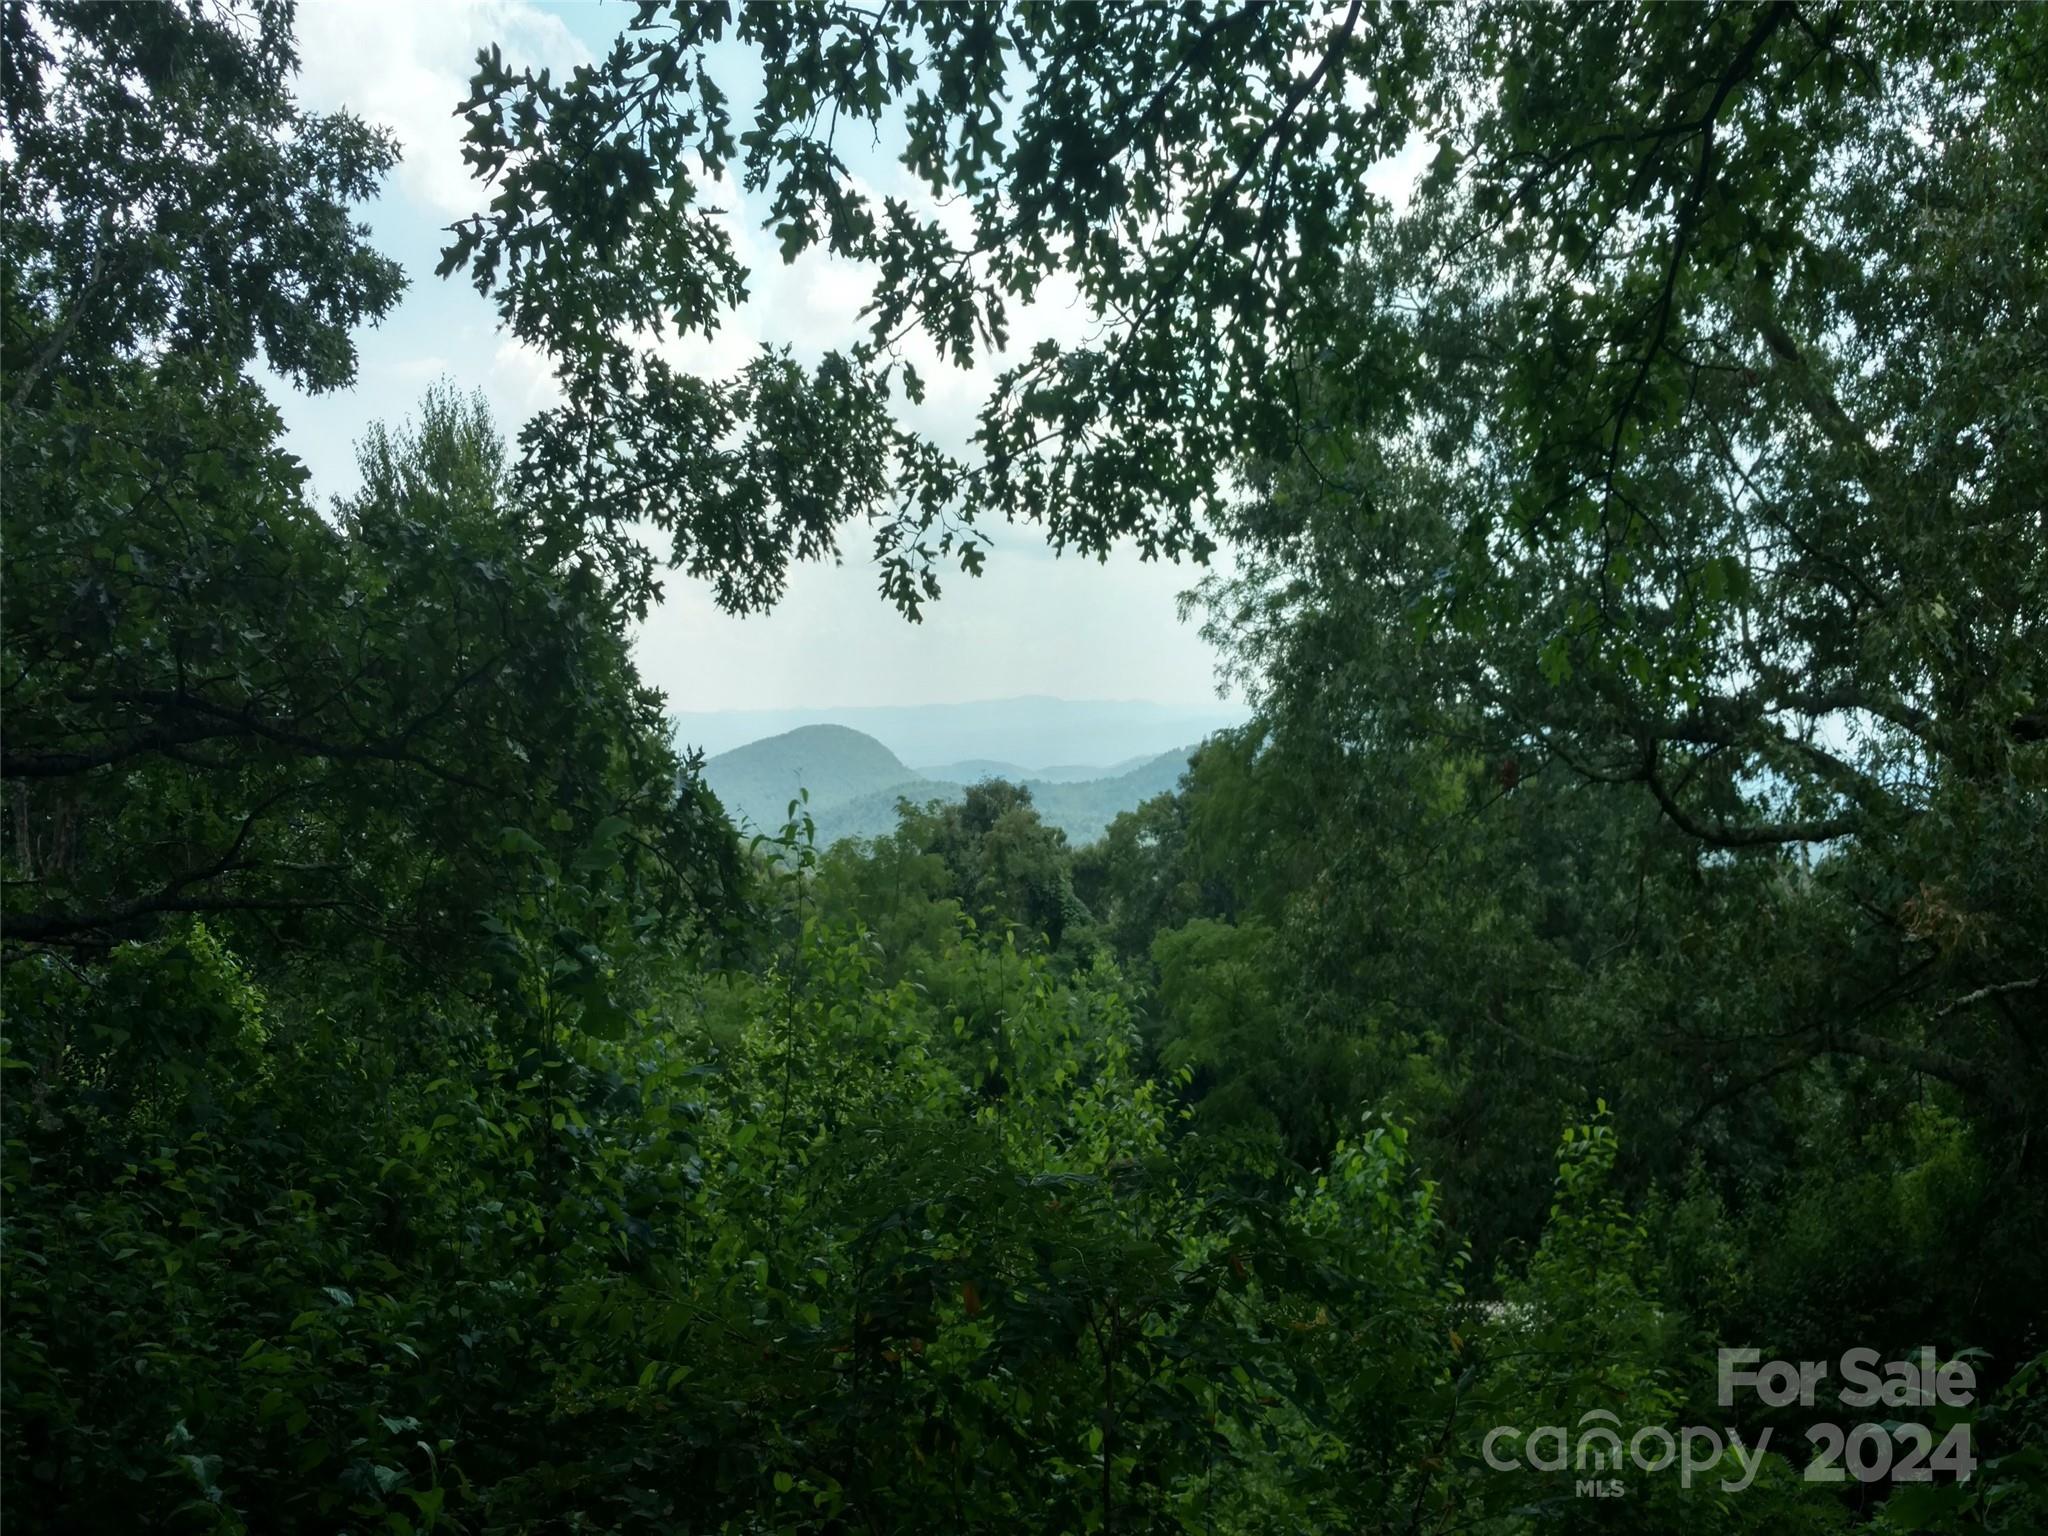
1523	1081
829	764
852	786
1024	737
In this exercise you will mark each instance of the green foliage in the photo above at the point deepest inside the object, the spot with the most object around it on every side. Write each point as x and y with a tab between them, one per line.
418	1112
166	194
987	857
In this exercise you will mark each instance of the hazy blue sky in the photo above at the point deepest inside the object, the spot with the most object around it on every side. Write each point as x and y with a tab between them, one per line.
1030	625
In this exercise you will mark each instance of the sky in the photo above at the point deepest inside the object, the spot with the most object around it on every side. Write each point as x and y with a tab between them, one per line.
1031	624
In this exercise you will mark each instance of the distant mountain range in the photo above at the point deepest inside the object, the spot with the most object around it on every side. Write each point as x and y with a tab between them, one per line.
1057	740
854	783
975	769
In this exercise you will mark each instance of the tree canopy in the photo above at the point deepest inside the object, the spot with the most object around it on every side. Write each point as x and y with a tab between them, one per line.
1617	937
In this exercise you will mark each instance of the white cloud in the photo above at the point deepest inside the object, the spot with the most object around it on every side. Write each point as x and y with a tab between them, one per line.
522	382
406	65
